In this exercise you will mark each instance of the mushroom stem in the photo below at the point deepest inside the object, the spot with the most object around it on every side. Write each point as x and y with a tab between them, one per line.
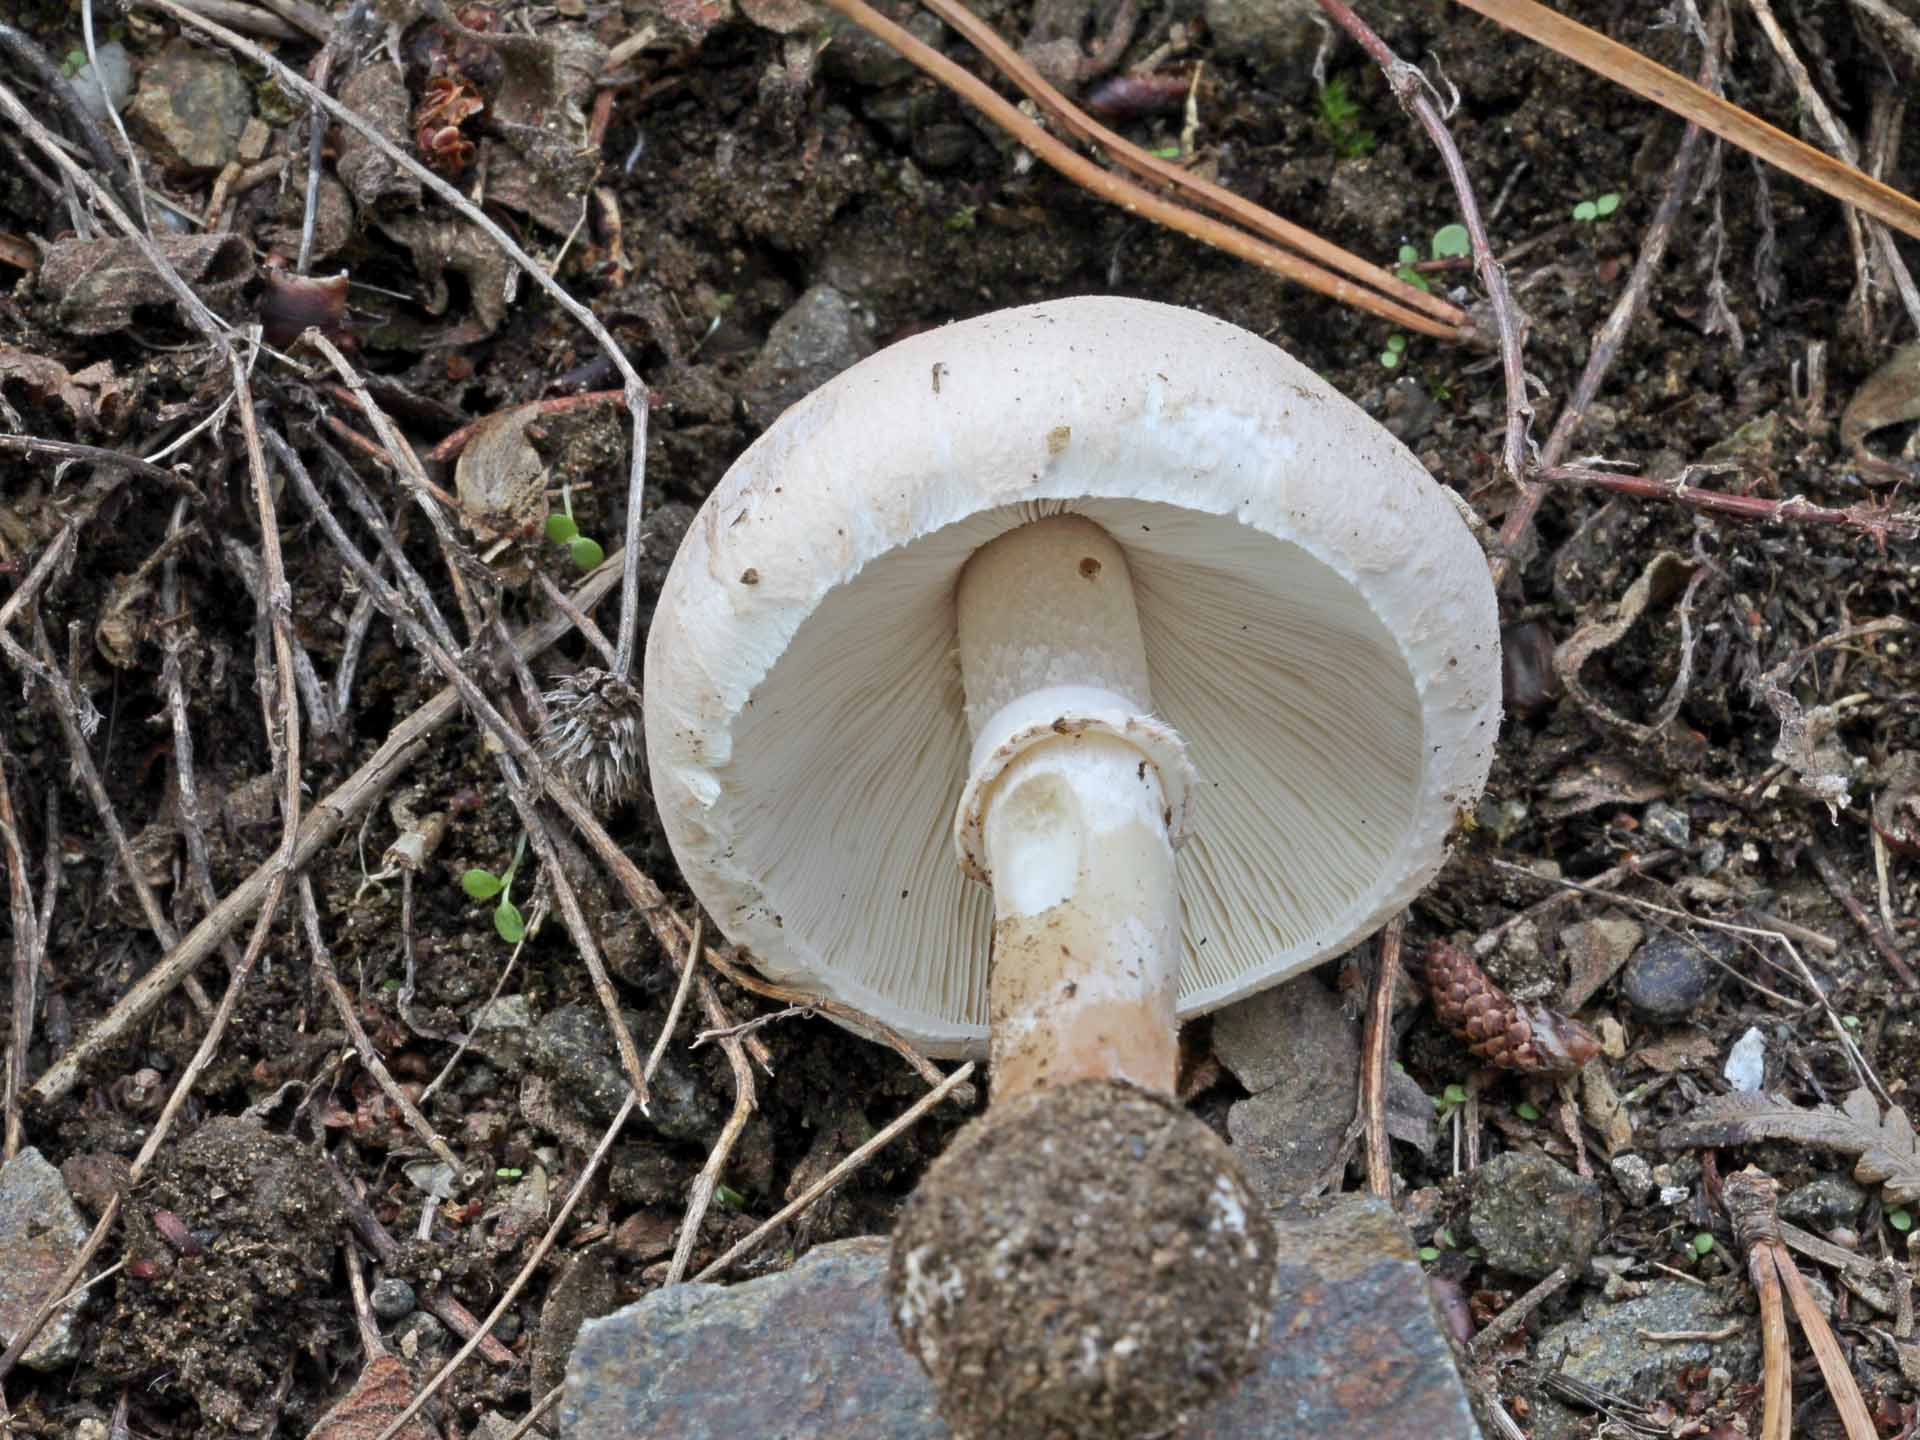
1086	952
1072	811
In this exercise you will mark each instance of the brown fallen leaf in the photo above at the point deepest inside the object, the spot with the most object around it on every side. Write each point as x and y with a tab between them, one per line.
1888	1151
1890	395
384	1389
96	284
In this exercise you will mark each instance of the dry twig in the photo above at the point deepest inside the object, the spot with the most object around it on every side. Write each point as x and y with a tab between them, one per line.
846	1167
1700	107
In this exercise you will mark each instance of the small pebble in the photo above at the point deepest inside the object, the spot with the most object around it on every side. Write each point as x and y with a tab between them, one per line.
392	1298
418	1336
116	69
1634	1176
1666	824
1746	1068
1672	975
1823	1203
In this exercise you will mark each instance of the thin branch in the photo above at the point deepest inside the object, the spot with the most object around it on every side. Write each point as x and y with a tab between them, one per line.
342	805
1119	191
908	1118
512	1292
745	1102
1410	87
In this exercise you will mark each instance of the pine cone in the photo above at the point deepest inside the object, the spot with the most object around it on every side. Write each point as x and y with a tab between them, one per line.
1496	1028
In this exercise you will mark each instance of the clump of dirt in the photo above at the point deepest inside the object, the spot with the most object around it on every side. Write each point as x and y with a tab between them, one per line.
1085	1261
230	1264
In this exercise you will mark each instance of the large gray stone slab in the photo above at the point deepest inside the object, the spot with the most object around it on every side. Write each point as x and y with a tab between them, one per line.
810	1354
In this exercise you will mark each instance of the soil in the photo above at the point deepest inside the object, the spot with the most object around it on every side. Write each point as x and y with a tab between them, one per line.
746	166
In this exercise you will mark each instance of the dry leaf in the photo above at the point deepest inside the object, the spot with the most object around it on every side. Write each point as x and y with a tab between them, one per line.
94	397
384	1389
1888	1151
96	284
1890	395
1662	578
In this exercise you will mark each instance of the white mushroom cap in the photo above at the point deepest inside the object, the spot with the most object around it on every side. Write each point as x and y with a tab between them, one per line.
1319	624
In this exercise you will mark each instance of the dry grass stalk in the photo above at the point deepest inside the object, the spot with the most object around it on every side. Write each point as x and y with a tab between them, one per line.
1128	196
840	1172
1700	106
1750	1199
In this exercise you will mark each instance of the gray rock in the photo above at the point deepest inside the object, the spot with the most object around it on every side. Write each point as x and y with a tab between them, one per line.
1296	1050
821	335
1531	1216
1604	1348
868	61
572	1049
117	71
420	1337
1670	977
40	1230
1667	825
1634	1176
1278	37
810	1354
1824	1203
192	108
392	1298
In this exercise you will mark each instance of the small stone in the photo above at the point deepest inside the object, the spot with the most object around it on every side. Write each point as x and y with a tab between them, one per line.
1672	975
1823	1204
419	1336
821	335
645	1235
40	1230
1605	1347
392	1298
1634	1176
1666	824
1278	37
1746	1068
1296	1050
116	69
192	108
1531	1216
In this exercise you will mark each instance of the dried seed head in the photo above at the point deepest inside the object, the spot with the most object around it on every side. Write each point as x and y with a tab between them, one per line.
594	736
1497	1029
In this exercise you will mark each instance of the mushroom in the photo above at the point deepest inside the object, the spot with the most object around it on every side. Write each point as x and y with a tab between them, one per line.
1068	589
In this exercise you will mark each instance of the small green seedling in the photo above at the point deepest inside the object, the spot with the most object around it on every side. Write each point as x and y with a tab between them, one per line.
1449	1100
1598	208
485	885
1527	1110
728	1198
1396	347
586	553
1428	1254
1450	241
507	1173
1703	1244
1409	257
1901	1220
1340	118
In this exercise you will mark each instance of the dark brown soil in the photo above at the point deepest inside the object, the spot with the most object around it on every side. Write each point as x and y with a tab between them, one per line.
742	176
